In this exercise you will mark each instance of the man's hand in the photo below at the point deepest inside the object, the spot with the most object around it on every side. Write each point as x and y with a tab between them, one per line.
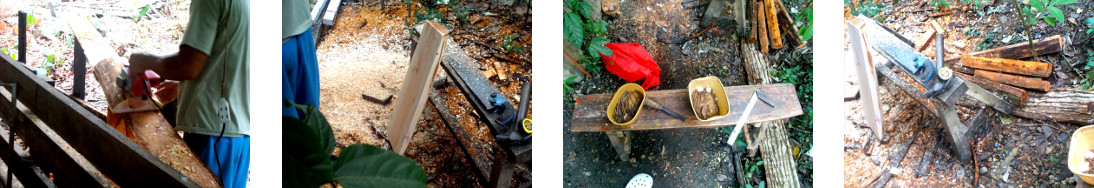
167	91
139	62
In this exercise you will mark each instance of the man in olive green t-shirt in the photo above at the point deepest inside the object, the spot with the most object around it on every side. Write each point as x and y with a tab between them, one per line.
209	70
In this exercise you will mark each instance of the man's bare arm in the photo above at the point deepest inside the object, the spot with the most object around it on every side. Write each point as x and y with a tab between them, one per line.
185	65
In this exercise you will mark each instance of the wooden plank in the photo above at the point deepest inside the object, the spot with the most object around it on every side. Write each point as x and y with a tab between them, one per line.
925	40
752	22
1019	50
150	129
95	47
331	12
415	89
49	150
786	22
760	18
1019	81
1062	105
773	24
90	135
1011	94
590	110
1038	69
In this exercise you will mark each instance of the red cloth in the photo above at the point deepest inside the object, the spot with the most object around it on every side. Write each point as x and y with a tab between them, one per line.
631	62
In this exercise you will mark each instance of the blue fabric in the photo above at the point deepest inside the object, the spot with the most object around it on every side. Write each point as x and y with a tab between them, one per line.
234	154
299	73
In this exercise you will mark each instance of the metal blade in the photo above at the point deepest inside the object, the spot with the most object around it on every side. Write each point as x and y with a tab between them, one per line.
744	118
978	93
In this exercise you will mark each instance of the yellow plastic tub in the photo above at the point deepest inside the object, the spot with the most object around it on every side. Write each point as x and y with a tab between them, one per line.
1081	142
615	100
715	84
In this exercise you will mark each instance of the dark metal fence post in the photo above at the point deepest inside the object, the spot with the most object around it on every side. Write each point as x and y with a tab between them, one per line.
23	36
79	71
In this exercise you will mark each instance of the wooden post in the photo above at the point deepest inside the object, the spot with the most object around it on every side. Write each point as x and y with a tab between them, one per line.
79	71
1019	81
775	146
415	89
22	37
1038	69
773	24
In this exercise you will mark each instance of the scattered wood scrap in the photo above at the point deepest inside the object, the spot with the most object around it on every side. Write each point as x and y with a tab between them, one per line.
377	100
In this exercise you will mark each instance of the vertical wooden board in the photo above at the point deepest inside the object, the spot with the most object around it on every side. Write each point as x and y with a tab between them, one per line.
415	89
1038	69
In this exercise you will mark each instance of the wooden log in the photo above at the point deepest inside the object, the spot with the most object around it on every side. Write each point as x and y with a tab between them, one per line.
773	24
150	129
1019	50
1038	69
1011	94
1018	81
589	110
95	47
1061	105
779	164
761	13
415	89
753	20
89	135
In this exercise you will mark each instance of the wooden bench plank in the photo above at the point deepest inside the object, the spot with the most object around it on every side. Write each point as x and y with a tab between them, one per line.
590	110
415	88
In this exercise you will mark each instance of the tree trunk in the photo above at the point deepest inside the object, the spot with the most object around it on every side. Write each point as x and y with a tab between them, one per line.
1064	105
775	146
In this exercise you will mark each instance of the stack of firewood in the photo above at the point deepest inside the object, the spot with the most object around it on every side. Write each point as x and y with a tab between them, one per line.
999	70
770	20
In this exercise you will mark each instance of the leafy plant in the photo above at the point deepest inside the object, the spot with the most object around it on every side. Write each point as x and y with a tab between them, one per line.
1086	71
806	17
142	12
309	142
586	33
1037	9
510	44
940	4
865	8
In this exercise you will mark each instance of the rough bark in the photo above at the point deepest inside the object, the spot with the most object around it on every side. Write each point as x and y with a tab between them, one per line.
1062	105
779	163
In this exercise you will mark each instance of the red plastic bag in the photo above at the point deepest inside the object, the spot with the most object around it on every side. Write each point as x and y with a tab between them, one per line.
631	62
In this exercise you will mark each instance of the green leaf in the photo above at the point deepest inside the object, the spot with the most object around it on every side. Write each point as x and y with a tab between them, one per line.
303	158
1037	4
1063	2
572	28
361	165
596	47
144	10
583	8
1005	120
1051	21
315	120
1056	13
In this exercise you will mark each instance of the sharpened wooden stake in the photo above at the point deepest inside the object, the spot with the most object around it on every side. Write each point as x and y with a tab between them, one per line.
1019	81
773	24
415	90
1031	68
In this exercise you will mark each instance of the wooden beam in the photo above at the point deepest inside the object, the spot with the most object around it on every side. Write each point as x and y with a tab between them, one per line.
761	18
589	110
773	24
150	129
1062	105
779	165
29	174
925	40
1019	81
786	22
1038	69
95	47
1011	94
90	135
1019	50
415	89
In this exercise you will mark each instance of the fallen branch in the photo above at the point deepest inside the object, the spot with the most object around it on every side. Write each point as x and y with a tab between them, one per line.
1062	105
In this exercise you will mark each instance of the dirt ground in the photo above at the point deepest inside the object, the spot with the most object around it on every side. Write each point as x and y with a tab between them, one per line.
673	157
1038	148
366	52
